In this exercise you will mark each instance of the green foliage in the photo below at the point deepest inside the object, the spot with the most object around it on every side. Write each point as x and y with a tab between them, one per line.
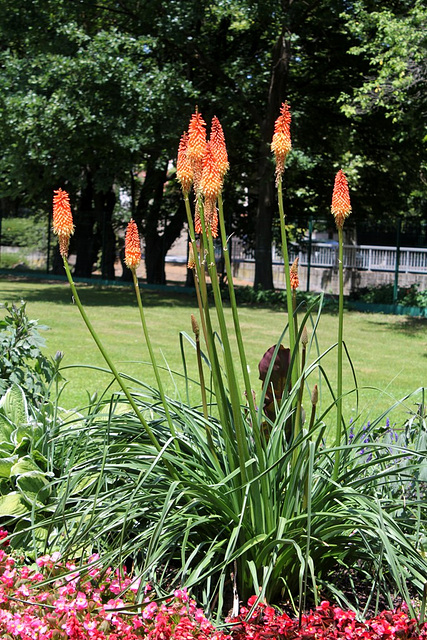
25	465
19	232
257	296
22	361
383	294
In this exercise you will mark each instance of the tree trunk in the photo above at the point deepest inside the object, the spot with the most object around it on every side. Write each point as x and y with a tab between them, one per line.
104	207
83	239
159	230
266	197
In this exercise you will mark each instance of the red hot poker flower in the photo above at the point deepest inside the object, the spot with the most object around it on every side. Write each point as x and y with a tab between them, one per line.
341	206
196	146
281	143
293	272
184	171
132	246
219	149
210	187
63	225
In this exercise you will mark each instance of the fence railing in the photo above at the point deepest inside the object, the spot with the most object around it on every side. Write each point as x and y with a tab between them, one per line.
364	257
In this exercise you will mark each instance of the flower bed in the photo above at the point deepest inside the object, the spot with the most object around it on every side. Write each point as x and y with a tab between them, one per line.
55	601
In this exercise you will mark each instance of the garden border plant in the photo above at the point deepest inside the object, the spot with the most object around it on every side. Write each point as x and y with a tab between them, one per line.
242	495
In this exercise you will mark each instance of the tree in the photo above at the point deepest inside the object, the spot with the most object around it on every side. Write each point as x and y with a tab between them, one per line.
80	108
387	109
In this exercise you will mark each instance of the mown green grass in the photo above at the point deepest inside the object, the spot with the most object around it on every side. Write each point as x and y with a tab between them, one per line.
387	352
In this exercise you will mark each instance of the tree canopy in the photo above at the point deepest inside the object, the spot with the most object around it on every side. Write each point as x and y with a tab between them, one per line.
94	98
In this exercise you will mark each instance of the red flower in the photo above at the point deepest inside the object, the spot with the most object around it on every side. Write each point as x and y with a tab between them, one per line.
293	272
63	225
219	149
132	246
341	206
184	172
196	146
281	143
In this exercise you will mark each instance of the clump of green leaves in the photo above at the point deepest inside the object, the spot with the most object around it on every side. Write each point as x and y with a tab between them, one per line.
383	294
21	359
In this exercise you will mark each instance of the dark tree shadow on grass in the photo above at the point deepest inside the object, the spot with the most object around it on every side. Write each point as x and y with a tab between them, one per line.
96	295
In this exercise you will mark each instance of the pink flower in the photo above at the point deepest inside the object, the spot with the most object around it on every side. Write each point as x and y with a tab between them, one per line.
149	611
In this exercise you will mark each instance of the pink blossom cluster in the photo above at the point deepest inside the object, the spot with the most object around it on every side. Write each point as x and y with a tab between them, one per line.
326	622
56	600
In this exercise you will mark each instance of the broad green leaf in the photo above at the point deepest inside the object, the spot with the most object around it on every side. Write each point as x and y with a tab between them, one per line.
12	505
24	465
34	487
6	465
5	429
14	406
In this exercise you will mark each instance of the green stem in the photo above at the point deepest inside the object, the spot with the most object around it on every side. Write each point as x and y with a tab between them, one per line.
340	352
152	357
108	360
210	344
294	373
242	446
240	346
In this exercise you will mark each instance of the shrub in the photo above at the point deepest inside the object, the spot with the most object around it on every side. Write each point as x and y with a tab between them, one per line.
383	294
22	361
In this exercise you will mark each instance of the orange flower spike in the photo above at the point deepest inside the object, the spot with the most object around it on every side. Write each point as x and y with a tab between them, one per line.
281	143
293	272
184	171
132	246
63	225
211	181
191	264
210	187
196	146
219	149
341	206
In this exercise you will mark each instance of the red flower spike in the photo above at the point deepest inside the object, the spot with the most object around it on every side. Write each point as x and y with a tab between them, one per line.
293	272
132	246
63	225
196	146
341	206
184	171
219	149
211	216
211	182
281	143
191	264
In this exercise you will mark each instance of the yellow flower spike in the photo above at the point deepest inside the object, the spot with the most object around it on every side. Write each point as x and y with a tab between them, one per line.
63	225
341	206
196	147
210	187
184	171
293	272
218	146
281	143
132	246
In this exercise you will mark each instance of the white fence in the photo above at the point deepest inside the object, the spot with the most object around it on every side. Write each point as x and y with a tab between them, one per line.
363	257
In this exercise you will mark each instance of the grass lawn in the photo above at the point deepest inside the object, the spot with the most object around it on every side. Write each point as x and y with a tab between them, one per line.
387	352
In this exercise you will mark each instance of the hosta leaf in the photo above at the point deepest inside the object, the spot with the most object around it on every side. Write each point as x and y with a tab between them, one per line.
14	406
24	465
5	429
34	487
12	505
6	465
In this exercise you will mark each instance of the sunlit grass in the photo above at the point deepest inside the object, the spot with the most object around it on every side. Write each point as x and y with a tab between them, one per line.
387	352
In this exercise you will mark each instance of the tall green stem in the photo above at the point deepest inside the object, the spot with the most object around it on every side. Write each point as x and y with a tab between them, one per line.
152	357
242	355
108	360
340	352
294	373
